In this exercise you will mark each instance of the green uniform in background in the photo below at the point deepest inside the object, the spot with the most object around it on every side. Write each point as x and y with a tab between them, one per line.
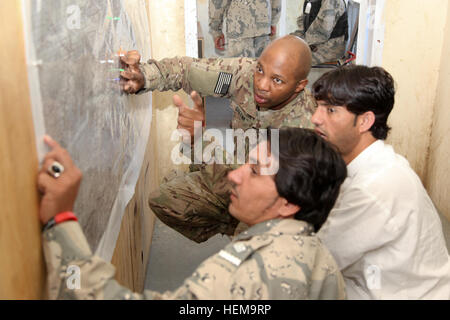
324	28
196	203
275	259
248	24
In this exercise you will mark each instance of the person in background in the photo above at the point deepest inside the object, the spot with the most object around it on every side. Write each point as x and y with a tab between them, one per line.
249	25
323	24
278	257
384	230
268	91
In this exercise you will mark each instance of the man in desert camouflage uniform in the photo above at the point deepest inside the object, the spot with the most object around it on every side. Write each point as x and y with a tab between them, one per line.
324	26
266	92
278	257
249	24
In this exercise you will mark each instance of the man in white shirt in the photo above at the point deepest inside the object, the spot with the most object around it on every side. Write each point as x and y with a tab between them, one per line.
384	230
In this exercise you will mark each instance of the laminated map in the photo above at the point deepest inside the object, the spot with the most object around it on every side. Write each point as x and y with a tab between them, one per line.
73	58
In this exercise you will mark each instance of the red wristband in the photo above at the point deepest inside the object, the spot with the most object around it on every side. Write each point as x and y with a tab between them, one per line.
65	216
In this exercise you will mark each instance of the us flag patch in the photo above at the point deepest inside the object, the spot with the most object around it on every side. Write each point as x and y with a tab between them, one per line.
223	83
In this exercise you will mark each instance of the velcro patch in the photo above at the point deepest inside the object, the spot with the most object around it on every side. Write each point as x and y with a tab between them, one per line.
223	83
230	258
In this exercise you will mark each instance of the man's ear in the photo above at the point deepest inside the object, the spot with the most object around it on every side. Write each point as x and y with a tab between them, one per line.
288	210
301	85
367	119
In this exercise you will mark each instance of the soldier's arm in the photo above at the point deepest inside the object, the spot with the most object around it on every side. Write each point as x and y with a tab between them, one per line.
323	25
216	12
166	74
174	74
75	273
209	77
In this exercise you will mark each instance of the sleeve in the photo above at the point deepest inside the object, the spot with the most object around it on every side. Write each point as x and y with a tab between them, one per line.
357	224
209	77
276	11
332	287
216	12
75	273
323	25
166	74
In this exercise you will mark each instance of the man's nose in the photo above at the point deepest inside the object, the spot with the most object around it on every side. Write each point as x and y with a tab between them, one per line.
264	84
316	118
235	176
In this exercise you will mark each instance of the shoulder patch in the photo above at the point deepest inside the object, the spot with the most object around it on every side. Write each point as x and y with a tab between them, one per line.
238	251
230	258
223	83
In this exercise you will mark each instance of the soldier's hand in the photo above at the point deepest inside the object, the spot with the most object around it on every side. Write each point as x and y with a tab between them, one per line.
58	192
187	116
219	42
132	79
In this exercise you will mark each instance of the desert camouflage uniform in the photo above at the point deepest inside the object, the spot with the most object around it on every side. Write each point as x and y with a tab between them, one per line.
196	204
248	24
324	45
276	259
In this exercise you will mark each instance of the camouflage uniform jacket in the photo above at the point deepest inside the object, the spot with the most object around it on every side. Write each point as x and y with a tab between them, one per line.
323	25
230	78
326	46
275	259
244	18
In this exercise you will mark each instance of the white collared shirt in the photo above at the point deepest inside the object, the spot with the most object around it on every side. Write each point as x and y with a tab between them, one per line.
385	232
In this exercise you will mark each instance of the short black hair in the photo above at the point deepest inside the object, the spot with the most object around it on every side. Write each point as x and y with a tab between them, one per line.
310	174
360	89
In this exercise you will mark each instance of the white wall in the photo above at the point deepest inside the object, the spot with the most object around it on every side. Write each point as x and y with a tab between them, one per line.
413	43
438	164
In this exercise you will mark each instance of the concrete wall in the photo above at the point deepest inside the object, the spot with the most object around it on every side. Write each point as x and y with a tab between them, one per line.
416	50
413	42
168	40
438	166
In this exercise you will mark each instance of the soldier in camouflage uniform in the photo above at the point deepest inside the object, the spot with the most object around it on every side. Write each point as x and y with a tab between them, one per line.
278	257
249	23
324	26
266	92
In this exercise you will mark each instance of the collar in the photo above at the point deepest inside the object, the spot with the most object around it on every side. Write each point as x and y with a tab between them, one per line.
363	157
277	227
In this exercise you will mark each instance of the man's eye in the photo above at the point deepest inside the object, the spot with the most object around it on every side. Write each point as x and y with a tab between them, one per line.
277	81
331	110
254	171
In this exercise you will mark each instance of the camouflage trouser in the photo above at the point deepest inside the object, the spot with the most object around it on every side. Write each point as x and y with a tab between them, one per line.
247	47
196	203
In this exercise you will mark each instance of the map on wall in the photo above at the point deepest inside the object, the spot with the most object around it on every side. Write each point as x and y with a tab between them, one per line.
73	50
